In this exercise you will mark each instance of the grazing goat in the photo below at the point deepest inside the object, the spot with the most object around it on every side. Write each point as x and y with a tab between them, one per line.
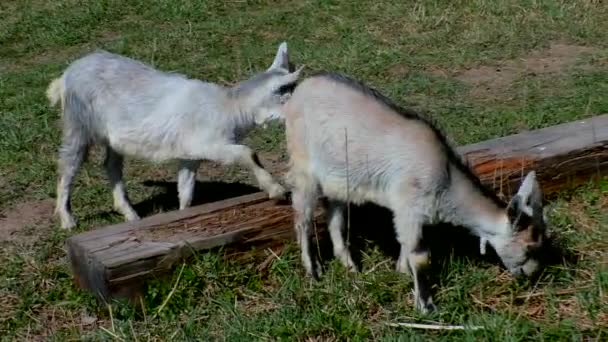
133	109
349	143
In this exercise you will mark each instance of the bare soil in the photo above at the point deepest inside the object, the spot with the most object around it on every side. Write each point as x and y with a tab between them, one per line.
490	81
23	215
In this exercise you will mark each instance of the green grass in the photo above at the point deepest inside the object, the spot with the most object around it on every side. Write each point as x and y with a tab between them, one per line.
415	52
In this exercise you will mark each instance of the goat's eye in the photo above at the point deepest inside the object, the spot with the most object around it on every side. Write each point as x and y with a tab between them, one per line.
286	89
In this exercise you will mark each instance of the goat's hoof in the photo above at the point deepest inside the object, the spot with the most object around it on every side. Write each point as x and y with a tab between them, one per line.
426	307
315	272
277	191
348	262
67	223
316	275
127	212
132	217
403	268
318	270
68	226
313	275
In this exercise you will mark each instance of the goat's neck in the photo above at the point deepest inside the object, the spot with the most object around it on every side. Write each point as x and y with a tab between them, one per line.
242	114
469	207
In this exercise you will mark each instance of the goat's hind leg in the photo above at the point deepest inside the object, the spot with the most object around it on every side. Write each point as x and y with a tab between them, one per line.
336	230
71	155
114	166
414	257
304	200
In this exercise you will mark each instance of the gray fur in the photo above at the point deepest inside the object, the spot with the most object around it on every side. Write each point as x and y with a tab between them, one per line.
133	109
255	82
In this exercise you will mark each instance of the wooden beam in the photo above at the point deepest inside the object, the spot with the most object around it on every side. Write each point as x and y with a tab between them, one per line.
116	258
563	156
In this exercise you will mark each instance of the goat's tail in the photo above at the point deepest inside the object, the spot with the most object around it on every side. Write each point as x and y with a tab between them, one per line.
55	91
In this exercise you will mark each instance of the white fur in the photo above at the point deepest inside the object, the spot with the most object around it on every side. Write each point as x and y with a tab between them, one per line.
136	110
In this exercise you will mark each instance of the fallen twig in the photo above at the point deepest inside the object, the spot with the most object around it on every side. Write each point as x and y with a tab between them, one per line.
133	331
269	260
111	318
377	265
435	326
111	334
280	250
476	300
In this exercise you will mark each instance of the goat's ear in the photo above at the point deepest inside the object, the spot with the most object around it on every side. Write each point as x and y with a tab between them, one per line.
528	199
289	79
281	60
530	193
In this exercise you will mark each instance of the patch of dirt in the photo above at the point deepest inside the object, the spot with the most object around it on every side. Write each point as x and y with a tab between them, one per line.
439	72
493	80
271	35
23	215
398	70
50	320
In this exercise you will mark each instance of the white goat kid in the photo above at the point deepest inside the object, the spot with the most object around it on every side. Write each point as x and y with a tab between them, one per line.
134	109
351	144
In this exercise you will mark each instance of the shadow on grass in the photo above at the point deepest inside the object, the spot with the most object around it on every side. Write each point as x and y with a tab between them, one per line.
204	192
167	199
373	225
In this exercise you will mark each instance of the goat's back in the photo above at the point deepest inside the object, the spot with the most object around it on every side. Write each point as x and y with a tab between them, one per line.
385	147
125	85
135	108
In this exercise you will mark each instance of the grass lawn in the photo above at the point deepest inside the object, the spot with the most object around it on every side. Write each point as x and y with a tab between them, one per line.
481	68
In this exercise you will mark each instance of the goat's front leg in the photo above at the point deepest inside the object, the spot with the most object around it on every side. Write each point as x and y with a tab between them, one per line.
230	154
186	181
414	257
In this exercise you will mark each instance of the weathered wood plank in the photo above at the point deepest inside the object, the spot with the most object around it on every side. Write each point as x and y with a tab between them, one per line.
563	156
121	253
110	259
174	216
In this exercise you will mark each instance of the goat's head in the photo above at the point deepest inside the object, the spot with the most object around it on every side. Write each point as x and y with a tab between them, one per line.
264	94
520	249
